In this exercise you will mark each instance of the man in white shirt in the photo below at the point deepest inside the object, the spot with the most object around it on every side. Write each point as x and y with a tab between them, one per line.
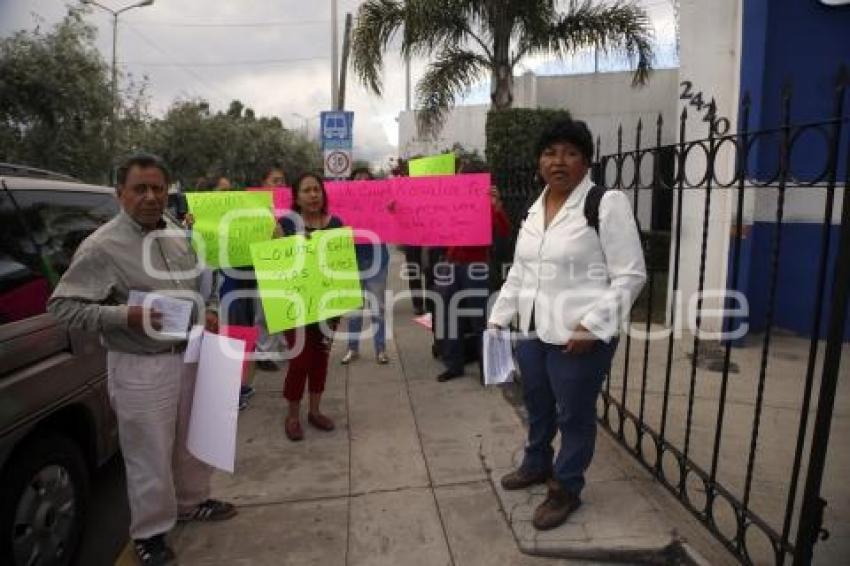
571	284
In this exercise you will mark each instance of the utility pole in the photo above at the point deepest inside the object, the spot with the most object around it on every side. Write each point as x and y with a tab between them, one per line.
113	121
334	54
343	70
596	57
407	83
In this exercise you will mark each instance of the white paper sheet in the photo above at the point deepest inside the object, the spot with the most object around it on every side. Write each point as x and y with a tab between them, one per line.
215	407
498	357
176	313
193	346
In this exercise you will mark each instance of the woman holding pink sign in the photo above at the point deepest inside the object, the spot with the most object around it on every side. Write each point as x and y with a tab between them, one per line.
373	261
309	364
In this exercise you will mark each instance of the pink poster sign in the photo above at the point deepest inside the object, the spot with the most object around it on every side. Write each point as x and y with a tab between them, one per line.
366	206
450	210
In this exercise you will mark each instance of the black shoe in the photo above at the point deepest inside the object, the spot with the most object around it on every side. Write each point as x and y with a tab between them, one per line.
209	510
448	374
154	552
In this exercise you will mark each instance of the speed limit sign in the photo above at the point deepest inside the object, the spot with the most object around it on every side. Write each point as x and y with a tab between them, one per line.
337	163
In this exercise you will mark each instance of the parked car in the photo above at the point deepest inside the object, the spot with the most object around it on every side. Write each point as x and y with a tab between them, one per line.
56	424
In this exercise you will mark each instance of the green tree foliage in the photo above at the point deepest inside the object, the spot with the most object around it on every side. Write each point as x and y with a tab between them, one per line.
55	112
466	159
467	38
196	142
511	140
55	101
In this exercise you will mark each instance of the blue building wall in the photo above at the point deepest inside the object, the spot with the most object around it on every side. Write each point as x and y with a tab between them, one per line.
801	42
796	291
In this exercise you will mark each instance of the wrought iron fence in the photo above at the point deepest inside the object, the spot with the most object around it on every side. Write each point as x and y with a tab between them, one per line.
691	433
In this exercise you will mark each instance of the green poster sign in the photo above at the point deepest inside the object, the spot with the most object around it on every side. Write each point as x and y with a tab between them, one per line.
226	223
303	280
443	164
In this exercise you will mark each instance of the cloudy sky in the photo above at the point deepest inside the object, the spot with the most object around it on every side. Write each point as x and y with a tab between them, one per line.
273	55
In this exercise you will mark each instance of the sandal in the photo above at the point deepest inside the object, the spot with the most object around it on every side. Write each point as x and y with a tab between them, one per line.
293	429
320	421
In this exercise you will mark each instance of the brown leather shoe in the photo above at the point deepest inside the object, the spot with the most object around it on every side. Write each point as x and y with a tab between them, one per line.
320	421
293	429
520	479
557	507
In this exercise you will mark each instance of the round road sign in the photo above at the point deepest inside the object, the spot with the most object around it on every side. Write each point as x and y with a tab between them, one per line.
337	163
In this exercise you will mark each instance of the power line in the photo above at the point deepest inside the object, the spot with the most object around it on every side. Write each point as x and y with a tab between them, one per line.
154	23
225	63
197	77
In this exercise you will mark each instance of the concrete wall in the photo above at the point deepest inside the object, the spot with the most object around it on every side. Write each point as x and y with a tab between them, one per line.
604	100
709	59
464	125
607	100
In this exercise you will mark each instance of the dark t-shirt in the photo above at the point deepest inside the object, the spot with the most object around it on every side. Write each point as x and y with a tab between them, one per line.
288	225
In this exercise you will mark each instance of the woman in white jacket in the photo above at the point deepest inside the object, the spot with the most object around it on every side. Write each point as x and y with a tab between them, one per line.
572	284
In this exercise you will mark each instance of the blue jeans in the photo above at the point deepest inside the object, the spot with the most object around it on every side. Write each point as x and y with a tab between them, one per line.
560	393
241	310
453	326
374	289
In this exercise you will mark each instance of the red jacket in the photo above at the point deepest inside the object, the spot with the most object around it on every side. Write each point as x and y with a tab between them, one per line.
475	254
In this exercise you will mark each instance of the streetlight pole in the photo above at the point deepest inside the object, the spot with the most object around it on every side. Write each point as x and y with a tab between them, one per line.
334	55
113	134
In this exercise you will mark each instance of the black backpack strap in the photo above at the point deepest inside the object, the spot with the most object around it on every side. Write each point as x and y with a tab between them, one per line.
591	206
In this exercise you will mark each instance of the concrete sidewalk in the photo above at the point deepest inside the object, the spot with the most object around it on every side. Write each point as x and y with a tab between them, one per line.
410	477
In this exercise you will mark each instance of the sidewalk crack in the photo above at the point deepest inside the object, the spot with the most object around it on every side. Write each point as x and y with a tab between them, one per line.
431	485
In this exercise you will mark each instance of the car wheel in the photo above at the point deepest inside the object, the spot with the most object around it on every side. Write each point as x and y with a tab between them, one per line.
43	501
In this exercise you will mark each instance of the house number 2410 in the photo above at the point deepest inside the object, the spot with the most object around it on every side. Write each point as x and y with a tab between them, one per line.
720	126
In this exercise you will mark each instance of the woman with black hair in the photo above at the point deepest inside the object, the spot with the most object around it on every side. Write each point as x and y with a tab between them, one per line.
575	274
309	366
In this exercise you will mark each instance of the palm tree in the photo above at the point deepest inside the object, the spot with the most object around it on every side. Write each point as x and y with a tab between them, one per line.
469	37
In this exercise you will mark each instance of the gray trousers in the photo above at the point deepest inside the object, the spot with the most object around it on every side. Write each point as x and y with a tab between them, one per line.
152	397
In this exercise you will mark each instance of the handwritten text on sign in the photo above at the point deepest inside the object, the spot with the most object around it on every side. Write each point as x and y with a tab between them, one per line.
227	223
304	280
366	206
443	211
451	210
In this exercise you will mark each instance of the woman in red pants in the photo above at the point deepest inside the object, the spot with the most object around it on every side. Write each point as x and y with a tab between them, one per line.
310	364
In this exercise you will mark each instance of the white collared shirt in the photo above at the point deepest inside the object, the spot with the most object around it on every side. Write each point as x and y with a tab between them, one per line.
567	274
